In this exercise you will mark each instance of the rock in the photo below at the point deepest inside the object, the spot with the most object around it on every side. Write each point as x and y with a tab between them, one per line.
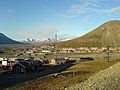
108	79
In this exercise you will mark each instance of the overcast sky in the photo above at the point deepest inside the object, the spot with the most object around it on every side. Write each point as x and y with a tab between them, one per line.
39	19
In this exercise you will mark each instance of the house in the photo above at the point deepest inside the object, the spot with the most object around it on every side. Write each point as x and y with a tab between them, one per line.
35	64
1	59
4	63
29	52
52	61
27	66
12	59
21	67
46	51
8	64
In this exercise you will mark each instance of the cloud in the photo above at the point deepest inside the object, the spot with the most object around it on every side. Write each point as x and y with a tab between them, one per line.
114	10
98	1
74	11
94	1
91	3
77	9
10	10
88	7
85	20
67	16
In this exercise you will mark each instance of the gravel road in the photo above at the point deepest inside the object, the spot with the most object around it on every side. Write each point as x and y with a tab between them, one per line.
9	80
108	79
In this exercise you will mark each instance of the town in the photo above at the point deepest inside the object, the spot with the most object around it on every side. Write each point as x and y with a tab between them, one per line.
43	60
59	44
35	57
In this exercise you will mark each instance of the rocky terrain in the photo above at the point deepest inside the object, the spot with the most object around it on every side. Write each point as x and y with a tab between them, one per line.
108	79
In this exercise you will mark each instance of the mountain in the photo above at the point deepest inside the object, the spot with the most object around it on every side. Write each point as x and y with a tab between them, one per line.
105	35
5	40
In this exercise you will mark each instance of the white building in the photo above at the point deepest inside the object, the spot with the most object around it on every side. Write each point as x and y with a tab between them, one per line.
52	62
46	51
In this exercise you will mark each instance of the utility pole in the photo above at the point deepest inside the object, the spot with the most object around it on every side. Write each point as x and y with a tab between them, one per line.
108	53
56	45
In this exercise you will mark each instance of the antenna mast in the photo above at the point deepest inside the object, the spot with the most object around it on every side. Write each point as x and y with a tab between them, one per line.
56	45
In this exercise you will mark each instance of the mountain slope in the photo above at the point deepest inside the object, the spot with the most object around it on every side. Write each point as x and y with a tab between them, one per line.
5	40
105	35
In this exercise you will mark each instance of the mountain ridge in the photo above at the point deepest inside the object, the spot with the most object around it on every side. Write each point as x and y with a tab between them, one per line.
6	40
107	34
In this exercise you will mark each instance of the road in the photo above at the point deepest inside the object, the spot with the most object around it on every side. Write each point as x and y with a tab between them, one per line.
9	79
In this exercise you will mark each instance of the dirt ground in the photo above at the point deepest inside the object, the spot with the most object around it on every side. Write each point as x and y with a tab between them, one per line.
72	76
107	79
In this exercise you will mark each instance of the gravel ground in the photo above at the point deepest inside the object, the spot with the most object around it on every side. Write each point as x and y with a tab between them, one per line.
108	79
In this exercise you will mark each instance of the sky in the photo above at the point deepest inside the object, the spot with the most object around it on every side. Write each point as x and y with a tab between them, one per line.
41	19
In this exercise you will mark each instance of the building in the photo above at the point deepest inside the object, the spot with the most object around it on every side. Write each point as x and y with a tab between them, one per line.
8	64
1	59
52	61
35	64
21	67
29	52
46	51
27	66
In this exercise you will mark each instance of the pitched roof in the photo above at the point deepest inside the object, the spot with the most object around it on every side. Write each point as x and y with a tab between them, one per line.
23	64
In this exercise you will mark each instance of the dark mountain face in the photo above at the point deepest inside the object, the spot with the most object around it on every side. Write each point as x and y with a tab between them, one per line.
105	35
5	40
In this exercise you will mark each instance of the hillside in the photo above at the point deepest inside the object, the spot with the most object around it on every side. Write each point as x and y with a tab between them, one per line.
5	40
108	79
107	34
